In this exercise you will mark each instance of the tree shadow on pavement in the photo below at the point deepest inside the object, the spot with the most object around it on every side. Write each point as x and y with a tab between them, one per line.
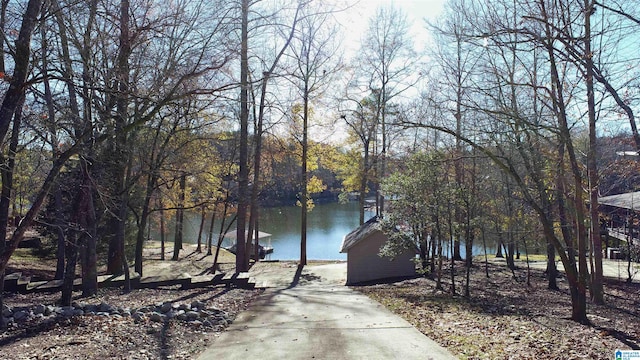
296	277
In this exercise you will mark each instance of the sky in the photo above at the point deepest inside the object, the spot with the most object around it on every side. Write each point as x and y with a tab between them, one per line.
355	19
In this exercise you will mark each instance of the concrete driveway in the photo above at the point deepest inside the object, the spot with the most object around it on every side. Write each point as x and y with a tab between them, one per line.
310	314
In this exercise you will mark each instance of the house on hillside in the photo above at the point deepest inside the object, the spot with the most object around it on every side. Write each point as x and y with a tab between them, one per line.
364	263
618	216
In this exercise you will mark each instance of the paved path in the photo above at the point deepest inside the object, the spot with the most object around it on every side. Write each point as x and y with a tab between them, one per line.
312	315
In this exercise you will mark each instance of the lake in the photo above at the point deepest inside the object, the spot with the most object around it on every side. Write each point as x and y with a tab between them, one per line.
327	225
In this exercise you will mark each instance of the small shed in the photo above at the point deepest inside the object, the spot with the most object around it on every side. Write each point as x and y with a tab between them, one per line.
364	263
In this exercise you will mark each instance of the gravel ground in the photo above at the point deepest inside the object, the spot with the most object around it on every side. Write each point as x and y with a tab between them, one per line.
112	335
163	323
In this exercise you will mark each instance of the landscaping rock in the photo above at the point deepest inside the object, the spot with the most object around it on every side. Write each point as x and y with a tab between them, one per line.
39	309
166	307
157	317
20	316
195	313
199	305
192	315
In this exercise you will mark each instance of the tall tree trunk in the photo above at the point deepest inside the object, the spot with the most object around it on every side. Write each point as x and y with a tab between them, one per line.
440	253
116	246
363	181
6	172
22	57
304	197
58	220
222	232
87	222
210	232
3	21
383	153
60	235
597	291
552	269
78	242
177	241
452	260
459	166
243	175
162	229
203	214
82	128
254	219
13	99
144	219
70	269
577	276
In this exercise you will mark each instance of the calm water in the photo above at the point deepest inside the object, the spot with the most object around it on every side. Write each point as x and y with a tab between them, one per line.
327	226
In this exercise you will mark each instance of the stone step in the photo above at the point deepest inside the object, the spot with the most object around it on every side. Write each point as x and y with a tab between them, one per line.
243	275
51	286
109	280
44	286
17	282
217	278
11	281
261	284
241	280
251	284
22	283
154	281
227	278
200	281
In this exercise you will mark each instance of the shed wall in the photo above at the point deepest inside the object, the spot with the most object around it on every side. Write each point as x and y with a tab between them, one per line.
364	263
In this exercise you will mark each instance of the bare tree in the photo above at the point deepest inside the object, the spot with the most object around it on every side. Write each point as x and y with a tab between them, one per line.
314	51
11	101
457	61
387	64
260	127
243	175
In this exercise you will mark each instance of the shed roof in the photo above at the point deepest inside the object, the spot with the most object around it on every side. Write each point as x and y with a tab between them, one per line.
625	201
359	234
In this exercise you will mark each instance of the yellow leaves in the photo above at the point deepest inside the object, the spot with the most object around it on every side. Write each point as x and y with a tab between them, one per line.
315	185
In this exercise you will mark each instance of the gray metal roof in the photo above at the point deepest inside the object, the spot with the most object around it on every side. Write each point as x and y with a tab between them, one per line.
359	234
624	201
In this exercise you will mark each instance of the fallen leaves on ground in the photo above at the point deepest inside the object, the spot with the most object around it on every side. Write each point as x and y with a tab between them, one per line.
505	318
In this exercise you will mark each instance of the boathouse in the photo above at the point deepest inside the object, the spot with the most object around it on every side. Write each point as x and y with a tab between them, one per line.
364	264
619	221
